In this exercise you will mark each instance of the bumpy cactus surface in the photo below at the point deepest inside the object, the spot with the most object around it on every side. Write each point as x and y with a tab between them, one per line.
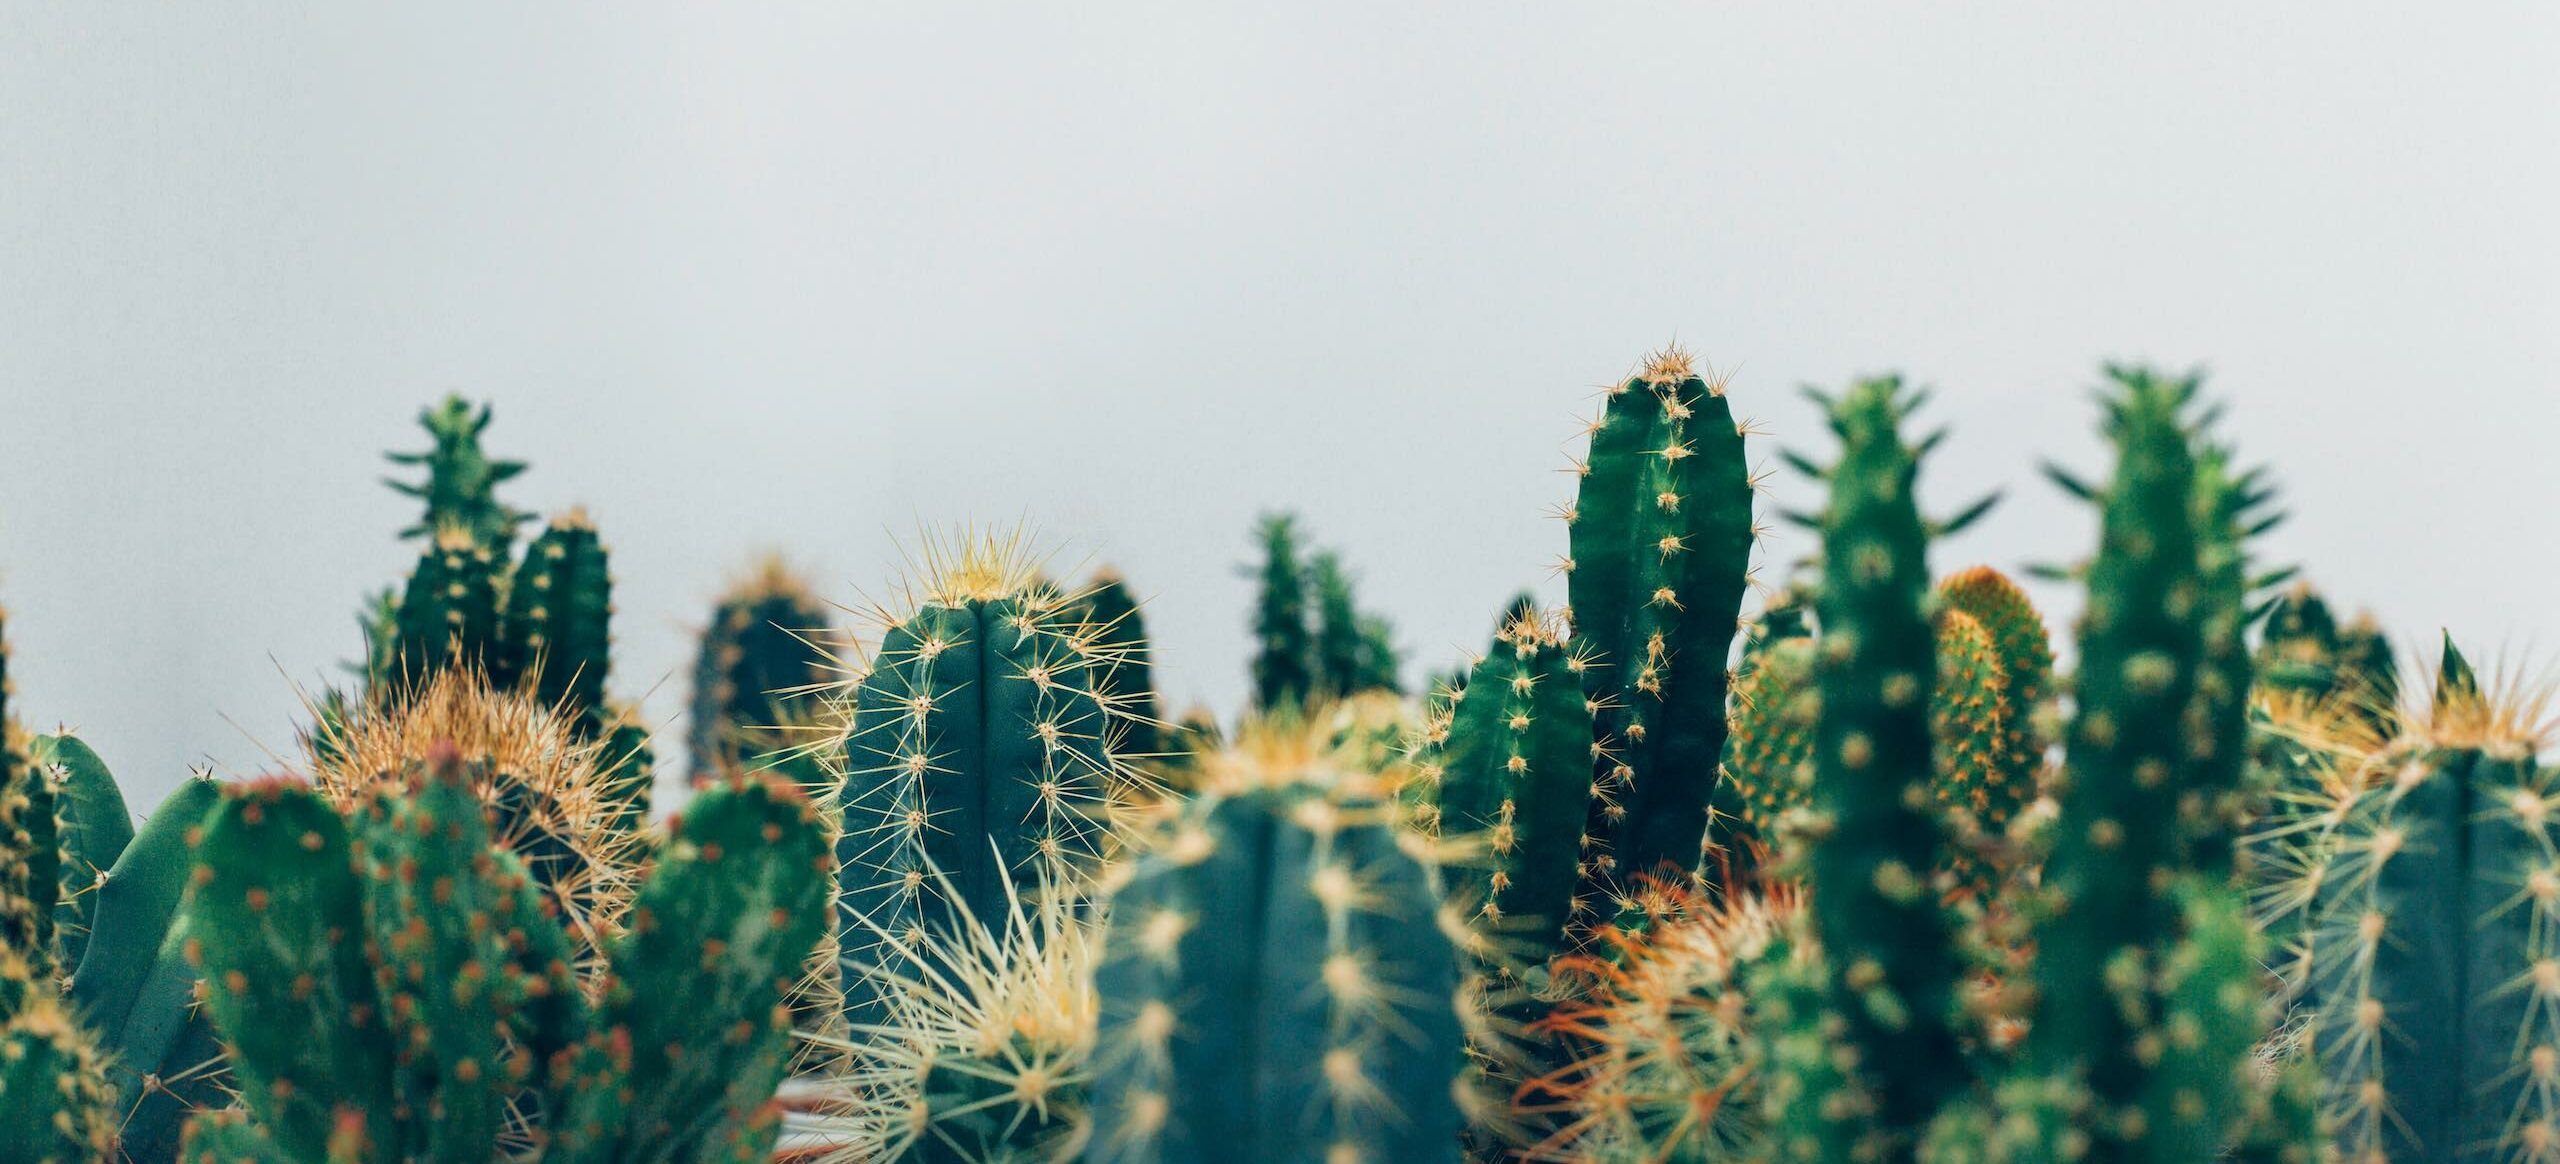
1119	628
555	637
976	757
1504	767
1274	986
1661	536
757	655
2432	938
456	1014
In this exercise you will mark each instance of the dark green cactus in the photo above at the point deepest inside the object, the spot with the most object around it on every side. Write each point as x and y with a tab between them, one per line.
1284	658
759	653
1661	536
404	992
976	756
1274	986
1128	682
2432	946
448	615
1354	651
1505	769
556	635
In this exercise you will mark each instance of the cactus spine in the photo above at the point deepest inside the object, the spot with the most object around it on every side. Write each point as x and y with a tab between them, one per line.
976	755
1119	628
1661	536
2432	940
1274	987
556	636
415	1042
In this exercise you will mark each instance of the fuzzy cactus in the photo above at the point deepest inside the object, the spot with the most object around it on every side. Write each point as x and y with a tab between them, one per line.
759	652
393	984
56	1105
976	757
2024	650
1768	750
1274	986
2431	942
1661	532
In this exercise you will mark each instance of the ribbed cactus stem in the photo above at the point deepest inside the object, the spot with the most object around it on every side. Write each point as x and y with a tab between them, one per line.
1275	986
557	636
448	614
1661	537
756	659
1284	658
1127	678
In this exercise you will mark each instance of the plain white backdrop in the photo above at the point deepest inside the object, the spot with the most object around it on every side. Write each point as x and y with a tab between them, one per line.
812	277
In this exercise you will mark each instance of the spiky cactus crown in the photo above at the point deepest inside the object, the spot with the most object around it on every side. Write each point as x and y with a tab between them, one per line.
549	794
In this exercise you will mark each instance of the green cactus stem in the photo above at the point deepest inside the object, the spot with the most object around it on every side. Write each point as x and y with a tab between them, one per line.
1119	631
758	654
1284	672
556	638
1661	537
462	481
92	828
56	1106
1274	986
2025	653
448	614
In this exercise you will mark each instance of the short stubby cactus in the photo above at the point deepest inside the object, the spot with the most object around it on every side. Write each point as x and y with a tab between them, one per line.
448	615
1767	770
1661	538
1274	985
976	756
2023	649
394	988
2434	936
56	1105
762	650
1119	627
91	828
1505	768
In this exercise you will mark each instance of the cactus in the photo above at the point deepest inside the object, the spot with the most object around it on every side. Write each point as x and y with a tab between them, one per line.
985	1058
448	615
457	1012
1505	765
2025	652
975	757
1891	986
1284	660
56	1106
1119	628
1661	535
462	481
1354	651
555	638
554	801
1969	713
2432	937
92	827
135	988
1273	985
1767	758
1666	1067
757	654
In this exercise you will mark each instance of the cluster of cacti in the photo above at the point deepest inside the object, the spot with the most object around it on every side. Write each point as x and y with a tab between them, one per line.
1872	884
1312	641
395	986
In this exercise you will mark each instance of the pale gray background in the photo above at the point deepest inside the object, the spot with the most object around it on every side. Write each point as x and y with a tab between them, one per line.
815	275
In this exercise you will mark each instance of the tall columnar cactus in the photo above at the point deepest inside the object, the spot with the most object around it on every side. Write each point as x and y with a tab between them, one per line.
556	635
1119	628
458	1006
1891	987
758	653
1661	537
2435	933
1355	651
1505	769
1274	986
976	757
1284	655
